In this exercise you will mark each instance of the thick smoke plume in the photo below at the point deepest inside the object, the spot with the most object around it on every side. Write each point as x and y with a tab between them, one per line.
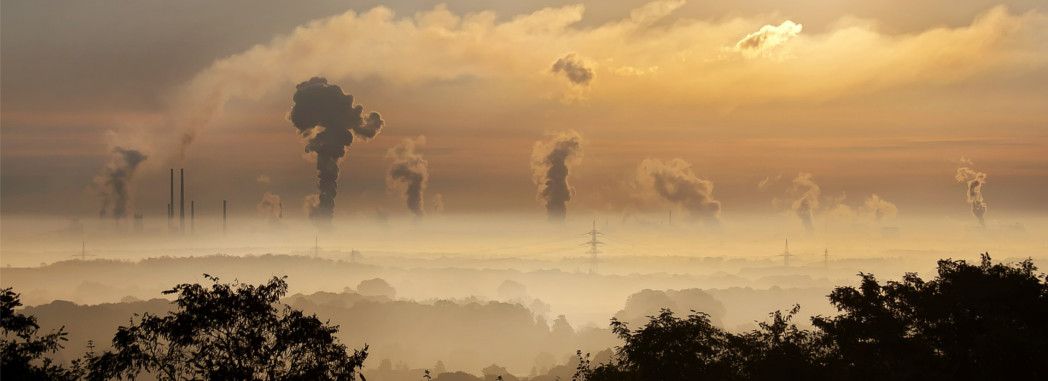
409	173
574	69
438	203
271	207
974	181
551	160
114	182
879	208
675	182
327	118
807	200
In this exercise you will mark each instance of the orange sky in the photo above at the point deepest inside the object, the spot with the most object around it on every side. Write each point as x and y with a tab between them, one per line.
867	102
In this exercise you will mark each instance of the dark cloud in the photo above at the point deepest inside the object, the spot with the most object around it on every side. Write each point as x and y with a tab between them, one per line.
327	118
115	180
550	163
675	182
409	173
574	69
974	181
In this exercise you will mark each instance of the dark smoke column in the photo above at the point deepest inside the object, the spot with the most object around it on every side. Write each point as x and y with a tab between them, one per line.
550	162
409	173
114	182
327	118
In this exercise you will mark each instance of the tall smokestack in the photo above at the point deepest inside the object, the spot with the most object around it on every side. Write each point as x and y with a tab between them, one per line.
192	216
223	216
171	200
182	200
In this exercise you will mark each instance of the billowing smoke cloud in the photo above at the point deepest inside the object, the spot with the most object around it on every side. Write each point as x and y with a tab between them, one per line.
807	199
974	181
879	208
409	173
674	181
271	207
114	182
475	46
768	37
438	203
574	69
327	118
550	163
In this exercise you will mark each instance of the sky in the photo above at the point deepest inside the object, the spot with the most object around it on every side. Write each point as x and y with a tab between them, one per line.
859	109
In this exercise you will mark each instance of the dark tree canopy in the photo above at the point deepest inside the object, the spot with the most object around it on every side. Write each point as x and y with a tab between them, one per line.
973	321
984	321
226	332
981	321
24	351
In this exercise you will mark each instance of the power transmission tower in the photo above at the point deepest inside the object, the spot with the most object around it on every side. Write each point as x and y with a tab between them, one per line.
826	258
316	246
594	246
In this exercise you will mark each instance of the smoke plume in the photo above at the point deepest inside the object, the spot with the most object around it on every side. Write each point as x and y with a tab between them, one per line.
114	182
879	208
551	160
327	118
271	207
574	69
409	173
438	203
807	200
675	182
974	181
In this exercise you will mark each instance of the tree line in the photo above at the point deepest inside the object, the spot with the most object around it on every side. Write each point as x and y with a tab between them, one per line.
981	320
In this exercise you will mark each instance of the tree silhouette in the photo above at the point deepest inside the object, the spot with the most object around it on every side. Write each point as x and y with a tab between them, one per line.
23	351
985	321
228	331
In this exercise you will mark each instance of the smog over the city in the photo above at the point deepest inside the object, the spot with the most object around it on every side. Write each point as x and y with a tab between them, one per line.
553	190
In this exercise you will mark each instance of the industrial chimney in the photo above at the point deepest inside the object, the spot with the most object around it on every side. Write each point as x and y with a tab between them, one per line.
192	217
171	201
223	216
182	200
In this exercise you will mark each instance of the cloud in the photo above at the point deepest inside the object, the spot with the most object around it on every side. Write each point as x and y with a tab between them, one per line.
769	37
574	69
551	160
493	55
409	173
675	182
